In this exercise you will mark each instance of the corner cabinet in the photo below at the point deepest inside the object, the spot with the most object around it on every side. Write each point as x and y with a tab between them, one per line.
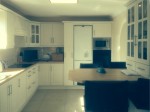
138	40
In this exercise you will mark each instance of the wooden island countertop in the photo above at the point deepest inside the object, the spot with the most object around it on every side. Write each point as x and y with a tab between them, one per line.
81	75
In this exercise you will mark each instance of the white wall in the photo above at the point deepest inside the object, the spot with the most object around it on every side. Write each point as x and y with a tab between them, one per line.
119	35
9	55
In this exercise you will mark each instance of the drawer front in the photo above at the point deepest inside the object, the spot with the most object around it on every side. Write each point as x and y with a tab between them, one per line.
143	70
130	65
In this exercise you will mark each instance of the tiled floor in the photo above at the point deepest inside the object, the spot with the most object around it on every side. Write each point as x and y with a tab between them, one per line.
56	101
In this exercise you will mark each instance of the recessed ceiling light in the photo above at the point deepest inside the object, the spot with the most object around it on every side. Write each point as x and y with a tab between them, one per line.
63	1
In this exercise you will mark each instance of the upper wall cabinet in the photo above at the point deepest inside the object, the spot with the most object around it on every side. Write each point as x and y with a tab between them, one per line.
20	26
34	39
138	40
6	29
52	34
102	29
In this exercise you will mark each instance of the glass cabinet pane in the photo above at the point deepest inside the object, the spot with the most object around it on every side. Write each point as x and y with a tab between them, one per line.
140	10
132	14
33	28
139	49
145	29
132	31
132	49
129	13
128	49
37	29
145	50
37	38
144	8
33	39
140	30
128	32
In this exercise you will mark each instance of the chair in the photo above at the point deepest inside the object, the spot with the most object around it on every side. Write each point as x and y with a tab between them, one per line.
117	64
139	93
106	96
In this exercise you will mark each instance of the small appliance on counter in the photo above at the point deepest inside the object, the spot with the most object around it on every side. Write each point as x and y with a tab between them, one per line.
3	65
57	57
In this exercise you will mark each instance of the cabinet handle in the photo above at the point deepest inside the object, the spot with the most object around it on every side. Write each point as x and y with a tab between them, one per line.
94	32
53	40
135	40
8	90
141	69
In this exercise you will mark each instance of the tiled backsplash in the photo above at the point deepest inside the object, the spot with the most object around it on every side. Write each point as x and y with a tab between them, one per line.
9	55
46	50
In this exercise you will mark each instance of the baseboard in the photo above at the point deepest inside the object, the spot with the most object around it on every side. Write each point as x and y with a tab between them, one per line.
61	87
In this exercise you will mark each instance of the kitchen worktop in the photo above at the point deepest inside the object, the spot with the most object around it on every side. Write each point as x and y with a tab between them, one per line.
9	73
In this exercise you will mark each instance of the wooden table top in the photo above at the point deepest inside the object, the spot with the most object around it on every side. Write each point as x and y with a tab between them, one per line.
81	75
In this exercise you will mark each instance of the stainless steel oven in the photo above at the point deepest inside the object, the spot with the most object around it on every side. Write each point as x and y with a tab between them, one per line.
101	43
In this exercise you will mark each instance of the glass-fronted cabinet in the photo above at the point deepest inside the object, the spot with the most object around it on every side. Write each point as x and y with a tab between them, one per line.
138	40
35	34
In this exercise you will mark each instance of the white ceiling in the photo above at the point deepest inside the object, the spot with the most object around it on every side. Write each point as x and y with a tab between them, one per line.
43	8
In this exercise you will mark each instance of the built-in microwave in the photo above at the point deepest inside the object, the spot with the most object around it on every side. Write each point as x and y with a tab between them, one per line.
101	43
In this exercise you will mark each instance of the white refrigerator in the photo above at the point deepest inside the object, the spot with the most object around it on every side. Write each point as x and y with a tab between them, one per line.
83	52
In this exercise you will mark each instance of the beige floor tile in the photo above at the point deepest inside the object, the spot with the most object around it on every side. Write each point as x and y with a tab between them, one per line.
56	101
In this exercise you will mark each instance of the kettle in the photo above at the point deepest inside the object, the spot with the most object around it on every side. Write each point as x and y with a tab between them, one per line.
1	66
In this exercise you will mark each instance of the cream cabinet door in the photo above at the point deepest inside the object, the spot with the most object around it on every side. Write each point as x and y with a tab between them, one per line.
6	29
57	74
8	93
58	34
102	29
22	91
44	74
3	97
46	34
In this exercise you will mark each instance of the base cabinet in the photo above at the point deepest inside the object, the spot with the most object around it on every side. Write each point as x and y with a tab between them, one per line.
7	96
51	74
32	81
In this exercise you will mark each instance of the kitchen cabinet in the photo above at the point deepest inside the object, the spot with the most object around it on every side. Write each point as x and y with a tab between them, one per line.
32	80
51	74
20	26
6	29
34	39
102	29
68	52
52	34
7	96
138	41
57	74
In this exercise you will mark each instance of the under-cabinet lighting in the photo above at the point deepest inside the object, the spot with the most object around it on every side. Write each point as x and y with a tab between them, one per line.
63	1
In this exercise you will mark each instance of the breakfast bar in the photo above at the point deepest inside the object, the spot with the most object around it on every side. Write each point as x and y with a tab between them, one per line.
81	75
